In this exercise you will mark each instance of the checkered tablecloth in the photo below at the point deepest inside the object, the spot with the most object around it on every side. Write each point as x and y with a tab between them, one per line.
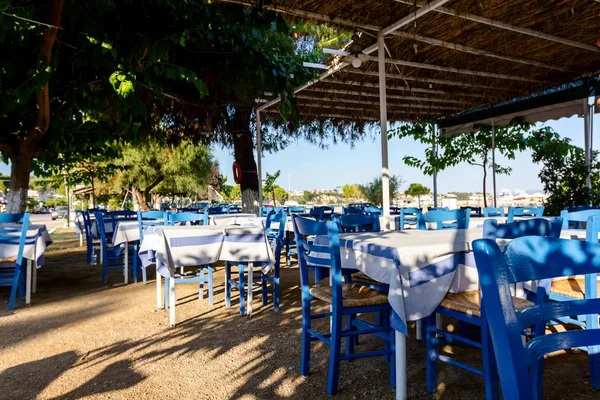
181	246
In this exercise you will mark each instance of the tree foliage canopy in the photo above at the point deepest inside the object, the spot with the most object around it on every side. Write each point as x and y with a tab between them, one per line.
373	190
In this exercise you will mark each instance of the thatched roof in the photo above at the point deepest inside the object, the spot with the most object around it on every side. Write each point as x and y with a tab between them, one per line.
462	55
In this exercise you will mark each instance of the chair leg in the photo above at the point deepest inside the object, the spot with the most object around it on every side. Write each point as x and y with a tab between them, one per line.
383	318
227	284
334	353
210	285
431	359
201	284
167	282
490	371
288	258
350	339
305	360
144	275
242	284
13	290
276	289
105	272
263	285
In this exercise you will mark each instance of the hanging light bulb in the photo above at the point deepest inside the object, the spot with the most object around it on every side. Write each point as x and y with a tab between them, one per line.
356	61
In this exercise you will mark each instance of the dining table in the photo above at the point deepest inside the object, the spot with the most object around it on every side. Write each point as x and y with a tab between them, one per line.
172	247
420	267
37	241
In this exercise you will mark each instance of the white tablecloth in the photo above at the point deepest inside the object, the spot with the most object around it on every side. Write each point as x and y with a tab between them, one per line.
229	219
38	239
420	266
181	246
127	231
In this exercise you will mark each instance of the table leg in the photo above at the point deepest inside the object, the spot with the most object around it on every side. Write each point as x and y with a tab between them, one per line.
419	329
172	299
28	283
34	279
250	287
159	302
401	393
80	240
126	264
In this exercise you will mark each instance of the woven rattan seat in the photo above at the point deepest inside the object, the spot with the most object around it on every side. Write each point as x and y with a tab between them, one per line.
8	262
353	295
572	287
469	303
364	279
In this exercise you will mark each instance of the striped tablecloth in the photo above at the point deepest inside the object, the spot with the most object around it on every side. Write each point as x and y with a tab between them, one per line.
127	231
38	239
229	219
181	246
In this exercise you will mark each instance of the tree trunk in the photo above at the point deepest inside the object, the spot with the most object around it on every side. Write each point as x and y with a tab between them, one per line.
243	148
93	193
139	198
21	164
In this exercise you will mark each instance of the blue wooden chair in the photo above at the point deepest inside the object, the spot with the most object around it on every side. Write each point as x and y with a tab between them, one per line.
234	209
373	210
297	210
92	241
529	259
524	212
193	218
466	308
395	210
202	275
475	211
113	258
447	219
13	271
437	209
411	216
276	238
357	223
581	208
352	210
493	212
8	218
345	300
146	219
316	213
119	215
214	210
577	219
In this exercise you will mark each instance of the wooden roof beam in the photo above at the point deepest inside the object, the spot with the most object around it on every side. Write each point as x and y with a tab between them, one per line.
505	26
375	103
401	88
426	80
457	70
389	96
472	50
329	115
368	110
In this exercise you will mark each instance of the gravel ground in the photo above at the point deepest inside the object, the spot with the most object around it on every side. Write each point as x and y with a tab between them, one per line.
81	339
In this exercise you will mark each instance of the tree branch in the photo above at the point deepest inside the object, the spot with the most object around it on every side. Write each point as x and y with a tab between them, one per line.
154	184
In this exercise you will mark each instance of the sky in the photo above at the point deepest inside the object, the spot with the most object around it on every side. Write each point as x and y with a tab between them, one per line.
305	166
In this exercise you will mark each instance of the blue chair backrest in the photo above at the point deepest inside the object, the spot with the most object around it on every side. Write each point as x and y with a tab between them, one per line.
87	223
581	208
438	209
458	219
297	210
8	218
373	210
352	210
525	259
316	213
412	215
234	209
149	218
217	210
394	210
493	212
529	227
184	217
574	219
357	223
320	255
276	235
101	232
536	212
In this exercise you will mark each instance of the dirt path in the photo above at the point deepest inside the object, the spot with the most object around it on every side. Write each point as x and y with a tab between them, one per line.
80	339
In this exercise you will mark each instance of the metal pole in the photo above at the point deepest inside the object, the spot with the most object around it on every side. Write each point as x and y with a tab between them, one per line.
385	177
68	202
435	149
587	137
259	160
494	161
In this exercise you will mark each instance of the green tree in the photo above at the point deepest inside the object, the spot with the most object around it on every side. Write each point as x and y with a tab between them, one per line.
417	190
474	148
159	167
373	190
564	171
231	193
269	184
351	191
309	196
280	194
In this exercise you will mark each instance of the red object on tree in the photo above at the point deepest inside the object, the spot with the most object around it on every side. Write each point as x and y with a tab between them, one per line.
237	173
